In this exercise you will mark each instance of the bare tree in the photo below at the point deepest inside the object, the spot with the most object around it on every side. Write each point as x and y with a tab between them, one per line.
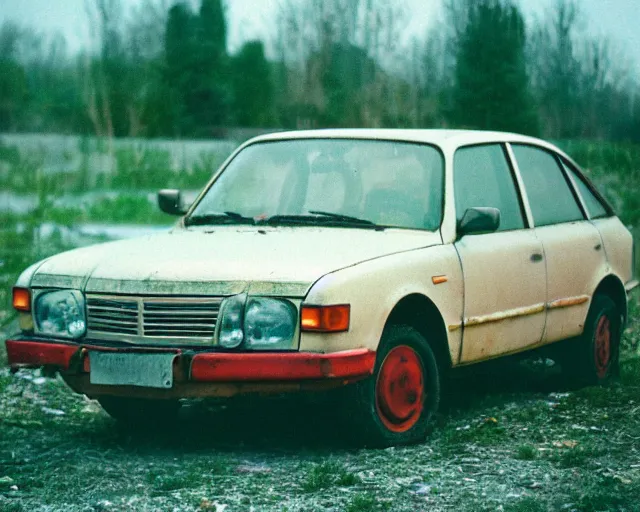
313	35
580	80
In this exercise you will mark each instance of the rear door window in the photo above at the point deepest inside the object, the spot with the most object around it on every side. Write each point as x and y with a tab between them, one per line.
595	208
550	195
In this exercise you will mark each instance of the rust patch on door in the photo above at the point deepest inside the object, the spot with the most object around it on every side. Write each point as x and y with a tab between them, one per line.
568	302
504	315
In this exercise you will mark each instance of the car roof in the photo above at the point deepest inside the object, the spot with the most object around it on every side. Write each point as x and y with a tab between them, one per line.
443	138
439	137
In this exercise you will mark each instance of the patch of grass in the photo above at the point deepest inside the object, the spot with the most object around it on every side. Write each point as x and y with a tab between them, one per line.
487	433
167	482
319	477
605	494
580	456
526	504
129	210
528	413
526	452
326	475
630	374
347	479
597	396
364	502
7	505
3	360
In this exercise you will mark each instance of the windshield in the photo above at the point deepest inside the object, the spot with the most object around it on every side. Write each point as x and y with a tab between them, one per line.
350	182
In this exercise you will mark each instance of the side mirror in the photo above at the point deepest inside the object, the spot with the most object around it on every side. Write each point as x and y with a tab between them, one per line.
170	201
479	220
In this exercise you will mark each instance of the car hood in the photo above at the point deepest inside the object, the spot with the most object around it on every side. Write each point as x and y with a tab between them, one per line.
223	260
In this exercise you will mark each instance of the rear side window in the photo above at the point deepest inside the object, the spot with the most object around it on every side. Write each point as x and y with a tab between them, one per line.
482	177
549	193
595	208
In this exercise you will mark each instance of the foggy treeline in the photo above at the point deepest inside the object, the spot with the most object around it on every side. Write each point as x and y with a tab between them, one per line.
163	69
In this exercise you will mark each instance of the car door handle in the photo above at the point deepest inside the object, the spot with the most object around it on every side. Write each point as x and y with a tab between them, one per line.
598	247
536	257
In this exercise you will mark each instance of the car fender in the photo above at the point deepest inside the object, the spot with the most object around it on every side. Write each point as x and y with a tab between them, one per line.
373	288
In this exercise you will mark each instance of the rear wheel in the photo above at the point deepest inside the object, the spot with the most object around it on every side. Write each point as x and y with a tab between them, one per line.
593	357
141	412
395	405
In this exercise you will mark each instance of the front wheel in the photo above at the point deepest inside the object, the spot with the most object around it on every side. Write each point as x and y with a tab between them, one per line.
395	405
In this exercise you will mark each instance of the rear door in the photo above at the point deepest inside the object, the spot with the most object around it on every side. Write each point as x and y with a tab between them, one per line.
573	249
504	272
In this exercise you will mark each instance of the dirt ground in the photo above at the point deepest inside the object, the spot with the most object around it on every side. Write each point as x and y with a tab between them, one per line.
510	437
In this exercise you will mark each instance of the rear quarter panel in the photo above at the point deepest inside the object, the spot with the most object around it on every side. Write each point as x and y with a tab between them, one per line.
618	246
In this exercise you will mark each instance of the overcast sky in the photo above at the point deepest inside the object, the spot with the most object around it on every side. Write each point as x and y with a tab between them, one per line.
616	19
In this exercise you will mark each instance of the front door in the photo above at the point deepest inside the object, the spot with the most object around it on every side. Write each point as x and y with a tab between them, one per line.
504	272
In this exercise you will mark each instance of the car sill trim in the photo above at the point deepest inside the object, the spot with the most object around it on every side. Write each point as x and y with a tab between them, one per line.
504	315
499	316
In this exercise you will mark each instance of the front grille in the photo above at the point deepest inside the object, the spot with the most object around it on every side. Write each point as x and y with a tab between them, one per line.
113	316
186	319
179	319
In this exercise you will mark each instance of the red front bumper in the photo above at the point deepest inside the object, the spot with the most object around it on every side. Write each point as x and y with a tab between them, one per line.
73	361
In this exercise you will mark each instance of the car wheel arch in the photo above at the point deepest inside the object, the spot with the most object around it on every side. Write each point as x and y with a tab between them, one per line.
612	287
421	313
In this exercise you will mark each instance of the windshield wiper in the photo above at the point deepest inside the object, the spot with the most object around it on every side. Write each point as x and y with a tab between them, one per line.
218	218
340	216
315	217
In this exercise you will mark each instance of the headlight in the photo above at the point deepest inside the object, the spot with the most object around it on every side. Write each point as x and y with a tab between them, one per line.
256	323
61	313
269	323
229	329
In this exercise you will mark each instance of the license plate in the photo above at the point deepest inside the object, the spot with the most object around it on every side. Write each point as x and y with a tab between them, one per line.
131	369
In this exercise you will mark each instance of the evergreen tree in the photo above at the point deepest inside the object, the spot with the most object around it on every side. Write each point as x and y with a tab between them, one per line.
211	96
252	86
13	80
491	88
197	78
213	27
180	44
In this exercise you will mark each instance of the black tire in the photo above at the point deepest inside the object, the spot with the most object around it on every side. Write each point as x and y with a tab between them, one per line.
593	357
370	410
140	412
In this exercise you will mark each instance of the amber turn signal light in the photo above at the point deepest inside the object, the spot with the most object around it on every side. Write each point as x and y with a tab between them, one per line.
21	299
325	318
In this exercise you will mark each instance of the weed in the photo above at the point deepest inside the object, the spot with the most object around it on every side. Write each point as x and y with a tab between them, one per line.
580	456
597	396
486	433
602	495
526	452
163	482
328	474
347	479
630	373
365	503
526	504
319	477
10	506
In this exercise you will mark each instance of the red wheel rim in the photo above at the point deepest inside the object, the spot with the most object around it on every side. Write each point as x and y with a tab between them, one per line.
400	389
602	346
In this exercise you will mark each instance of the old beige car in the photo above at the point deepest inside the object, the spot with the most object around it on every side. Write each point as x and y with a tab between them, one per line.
367	260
